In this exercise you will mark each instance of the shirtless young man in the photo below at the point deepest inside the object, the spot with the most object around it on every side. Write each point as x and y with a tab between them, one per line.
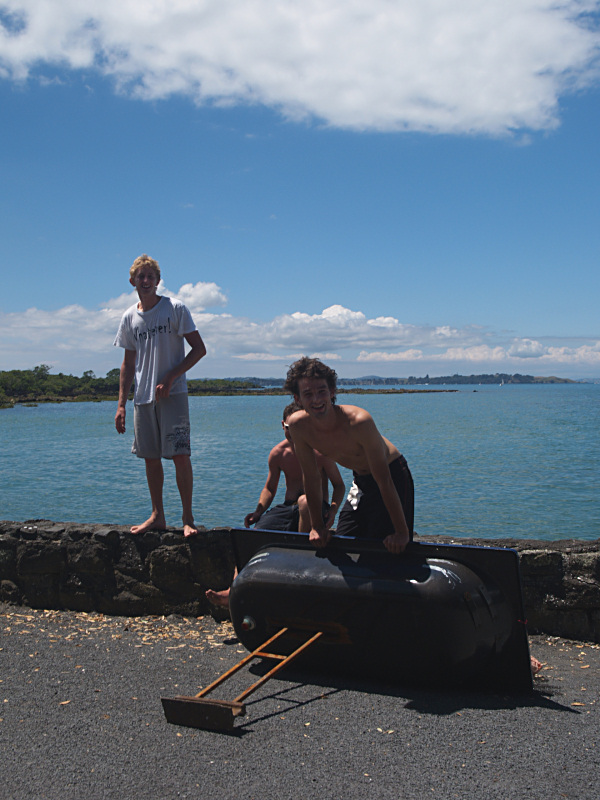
381	502
152	332
348	435
292	514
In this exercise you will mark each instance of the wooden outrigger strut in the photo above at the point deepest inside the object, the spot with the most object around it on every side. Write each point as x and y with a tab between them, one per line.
219	715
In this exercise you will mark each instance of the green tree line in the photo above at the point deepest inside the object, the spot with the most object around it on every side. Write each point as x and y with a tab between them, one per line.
39	385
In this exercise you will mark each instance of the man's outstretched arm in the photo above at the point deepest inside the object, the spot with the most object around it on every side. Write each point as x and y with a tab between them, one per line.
126	377
267	494
377	456
313	488
197	351
339	490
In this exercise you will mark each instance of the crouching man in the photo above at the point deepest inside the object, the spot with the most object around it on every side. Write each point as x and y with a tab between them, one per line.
380	504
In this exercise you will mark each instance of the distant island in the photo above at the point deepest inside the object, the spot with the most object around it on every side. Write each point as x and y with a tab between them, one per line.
375	380
38	385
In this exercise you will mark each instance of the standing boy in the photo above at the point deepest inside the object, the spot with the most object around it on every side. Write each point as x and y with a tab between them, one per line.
381	502
152	332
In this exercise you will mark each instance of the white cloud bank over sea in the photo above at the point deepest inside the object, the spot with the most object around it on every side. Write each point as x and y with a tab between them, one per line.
439	66
73	339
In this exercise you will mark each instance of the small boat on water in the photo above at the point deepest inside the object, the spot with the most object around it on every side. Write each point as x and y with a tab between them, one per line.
443	615
439	614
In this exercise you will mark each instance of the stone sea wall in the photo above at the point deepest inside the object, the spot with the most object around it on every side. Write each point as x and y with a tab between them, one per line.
103	568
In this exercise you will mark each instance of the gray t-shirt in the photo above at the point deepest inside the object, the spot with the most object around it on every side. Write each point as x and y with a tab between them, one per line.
157	337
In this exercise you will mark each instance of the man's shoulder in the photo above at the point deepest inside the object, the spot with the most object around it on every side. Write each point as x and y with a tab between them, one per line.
356	421
128	316
354	414
280	449
181	313
129	311
167	302
298	417
175	303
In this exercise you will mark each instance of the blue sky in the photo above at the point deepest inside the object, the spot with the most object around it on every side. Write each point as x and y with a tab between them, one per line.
401	189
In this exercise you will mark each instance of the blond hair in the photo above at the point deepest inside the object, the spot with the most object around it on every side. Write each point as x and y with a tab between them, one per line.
144	261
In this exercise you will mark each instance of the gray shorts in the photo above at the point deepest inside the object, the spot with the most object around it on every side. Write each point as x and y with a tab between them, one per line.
162	429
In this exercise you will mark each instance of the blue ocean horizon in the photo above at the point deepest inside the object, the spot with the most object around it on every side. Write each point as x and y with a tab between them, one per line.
516	461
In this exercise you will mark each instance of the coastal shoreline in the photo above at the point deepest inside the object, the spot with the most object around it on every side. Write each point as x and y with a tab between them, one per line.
31	403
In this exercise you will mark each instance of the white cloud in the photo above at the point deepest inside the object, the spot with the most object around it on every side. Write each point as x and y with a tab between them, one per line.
383	322
434	65
574	356
389	358
339	327
479	354
526	348
258	357
324	356
74	339
73	334
198	296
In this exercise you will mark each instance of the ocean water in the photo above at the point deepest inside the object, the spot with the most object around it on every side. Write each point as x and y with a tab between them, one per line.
488	461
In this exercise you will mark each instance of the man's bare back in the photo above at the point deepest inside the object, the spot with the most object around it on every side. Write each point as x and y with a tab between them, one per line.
283	457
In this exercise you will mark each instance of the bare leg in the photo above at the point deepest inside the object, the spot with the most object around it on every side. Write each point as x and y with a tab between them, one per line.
155	477
304	525
185	484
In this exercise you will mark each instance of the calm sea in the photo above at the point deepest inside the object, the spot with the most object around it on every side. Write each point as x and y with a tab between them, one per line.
488	461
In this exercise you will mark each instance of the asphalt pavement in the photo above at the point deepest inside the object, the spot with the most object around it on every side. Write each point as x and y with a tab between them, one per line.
81	719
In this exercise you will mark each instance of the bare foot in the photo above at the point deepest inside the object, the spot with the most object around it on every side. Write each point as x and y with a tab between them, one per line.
218	598
190	530
535	666
153	523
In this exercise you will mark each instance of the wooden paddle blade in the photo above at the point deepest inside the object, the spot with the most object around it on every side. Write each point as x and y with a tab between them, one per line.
196	712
